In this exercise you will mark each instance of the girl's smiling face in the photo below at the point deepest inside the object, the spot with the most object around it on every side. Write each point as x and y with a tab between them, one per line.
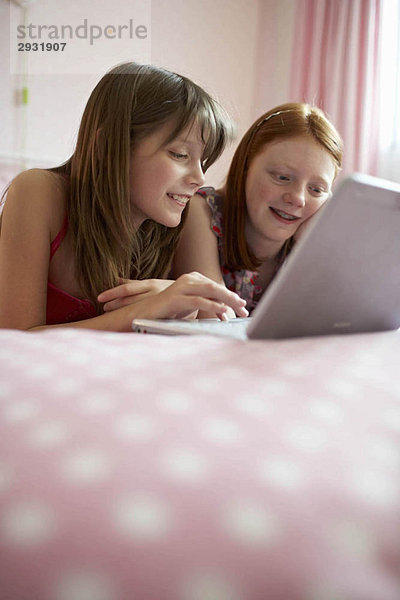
287	182
163	177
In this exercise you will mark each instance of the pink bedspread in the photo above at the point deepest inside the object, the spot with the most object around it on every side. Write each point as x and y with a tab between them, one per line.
158	468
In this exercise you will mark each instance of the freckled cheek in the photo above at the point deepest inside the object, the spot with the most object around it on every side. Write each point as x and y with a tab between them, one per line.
257	195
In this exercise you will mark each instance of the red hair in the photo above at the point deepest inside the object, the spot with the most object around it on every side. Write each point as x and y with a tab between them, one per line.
285	121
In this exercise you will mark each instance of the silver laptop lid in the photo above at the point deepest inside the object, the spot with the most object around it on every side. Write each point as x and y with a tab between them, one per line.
344	274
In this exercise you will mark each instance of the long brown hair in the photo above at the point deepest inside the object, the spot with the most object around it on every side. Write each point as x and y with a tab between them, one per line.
129	103
284	121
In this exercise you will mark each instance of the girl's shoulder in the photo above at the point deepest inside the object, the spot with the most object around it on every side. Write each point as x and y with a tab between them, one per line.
214	199
42	179
38	193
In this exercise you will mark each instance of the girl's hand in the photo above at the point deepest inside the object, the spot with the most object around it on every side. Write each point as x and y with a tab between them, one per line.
131	291
189	293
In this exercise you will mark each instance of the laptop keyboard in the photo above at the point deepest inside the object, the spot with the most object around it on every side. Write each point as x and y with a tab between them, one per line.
235	328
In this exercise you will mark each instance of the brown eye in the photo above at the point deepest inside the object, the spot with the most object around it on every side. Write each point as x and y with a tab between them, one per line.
178	156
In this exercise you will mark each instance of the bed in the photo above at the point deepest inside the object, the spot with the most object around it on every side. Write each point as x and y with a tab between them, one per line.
148	467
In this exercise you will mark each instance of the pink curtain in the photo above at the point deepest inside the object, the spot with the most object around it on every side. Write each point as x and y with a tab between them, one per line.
335	66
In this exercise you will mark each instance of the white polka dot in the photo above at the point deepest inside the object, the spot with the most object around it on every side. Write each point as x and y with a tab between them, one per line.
98	403
384	451
391	417
342	387
352	539
109	351
229	372
251	524
115	337
176	402
21	411
135	427
376	488
41	371
103	371
68	334
86	466
142	517
38	343
281	473
221	431
138	385
206	385
5	389
293	369
28	523
48	434
78	357
254	405
18	361
209	586
306	438
184	465
82	585
5	353
275	387
326	411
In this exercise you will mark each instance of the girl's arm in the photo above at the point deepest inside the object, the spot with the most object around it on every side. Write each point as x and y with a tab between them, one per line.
189	293
198	247
197	251
25	235
31	218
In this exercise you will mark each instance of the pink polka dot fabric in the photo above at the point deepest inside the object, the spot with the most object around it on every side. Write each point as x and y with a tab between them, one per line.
177	468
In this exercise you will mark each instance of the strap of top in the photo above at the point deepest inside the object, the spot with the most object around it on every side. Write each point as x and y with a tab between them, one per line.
55	244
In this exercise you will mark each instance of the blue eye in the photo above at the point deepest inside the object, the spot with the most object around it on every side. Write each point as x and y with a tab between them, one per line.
281	178
318	191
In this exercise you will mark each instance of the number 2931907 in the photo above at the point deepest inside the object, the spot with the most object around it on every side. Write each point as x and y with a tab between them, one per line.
41	47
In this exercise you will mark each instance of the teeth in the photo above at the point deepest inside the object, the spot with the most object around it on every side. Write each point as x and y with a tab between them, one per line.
182	199
285	215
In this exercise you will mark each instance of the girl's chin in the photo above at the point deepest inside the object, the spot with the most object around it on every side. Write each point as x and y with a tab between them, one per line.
171	222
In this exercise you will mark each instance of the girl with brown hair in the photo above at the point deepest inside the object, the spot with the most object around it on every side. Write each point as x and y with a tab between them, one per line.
281	173
114	211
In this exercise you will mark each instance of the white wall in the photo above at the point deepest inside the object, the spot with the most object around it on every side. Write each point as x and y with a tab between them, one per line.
214	42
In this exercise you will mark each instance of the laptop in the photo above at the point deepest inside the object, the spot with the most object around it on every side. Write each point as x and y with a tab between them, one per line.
343	276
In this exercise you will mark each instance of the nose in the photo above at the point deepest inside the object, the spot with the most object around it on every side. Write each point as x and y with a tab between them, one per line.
295	196
195	176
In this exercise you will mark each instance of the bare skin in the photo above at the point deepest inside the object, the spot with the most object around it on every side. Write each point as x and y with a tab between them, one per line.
33	215
292	176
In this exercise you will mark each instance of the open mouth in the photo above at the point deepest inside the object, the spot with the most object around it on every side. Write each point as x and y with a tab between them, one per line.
283	216
181	199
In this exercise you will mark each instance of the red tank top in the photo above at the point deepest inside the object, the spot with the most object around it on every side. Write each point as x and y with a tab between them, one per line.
61	306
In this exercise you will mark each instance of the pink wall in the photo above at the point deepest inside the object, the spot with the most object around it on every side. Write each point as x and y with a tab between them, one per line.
275	42
213	41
